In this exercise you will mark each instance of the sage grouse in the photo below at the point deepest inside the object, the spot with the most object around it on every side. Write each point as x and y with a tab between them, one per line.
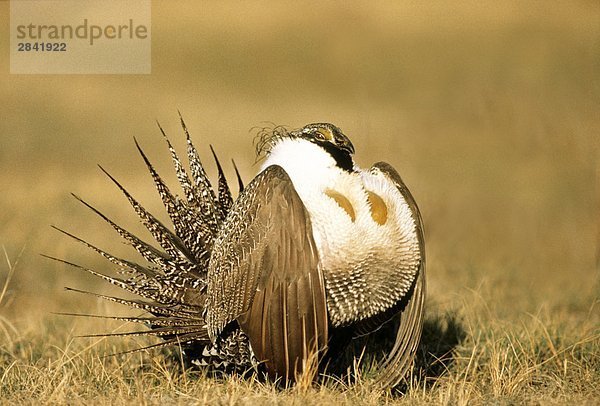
314	251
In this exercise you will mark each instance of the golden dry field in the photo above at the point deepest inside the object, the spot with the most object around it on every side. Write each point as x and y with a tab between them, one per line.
489	111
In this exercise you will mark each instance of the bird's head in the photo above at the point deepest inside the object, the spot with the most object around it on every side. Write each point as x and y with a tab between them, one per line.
325	135
331	139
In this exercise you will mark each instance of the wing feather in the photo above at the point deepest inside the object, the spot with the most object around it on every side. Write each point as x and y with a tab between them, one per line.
408	335
264	273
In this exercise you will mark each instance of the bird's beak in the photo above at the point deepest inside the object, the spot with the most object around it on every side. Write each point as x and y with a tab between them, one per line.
346	145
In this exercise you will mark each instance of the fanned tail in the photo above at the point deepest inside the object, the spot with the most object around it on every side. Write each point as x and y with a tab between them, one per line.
225	199
172	284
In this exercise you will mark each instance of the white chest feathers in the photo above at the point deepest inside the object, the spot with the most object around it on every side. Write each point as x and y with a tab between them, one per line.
364	230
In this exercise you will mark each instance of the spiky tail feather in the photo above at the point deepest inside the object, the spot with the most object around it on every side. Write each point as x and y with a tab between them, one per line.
172	284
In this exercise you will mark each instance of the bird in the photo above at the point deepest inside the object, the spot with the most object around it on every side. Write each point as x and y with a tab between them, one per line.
312	254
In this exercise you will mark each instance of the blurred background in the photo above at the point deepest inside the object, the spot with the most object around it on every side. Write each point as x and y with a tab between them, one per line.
490	112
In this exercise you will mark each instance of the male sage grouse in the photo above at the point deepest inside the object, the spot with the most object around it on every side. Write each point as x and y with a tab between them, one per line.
315	251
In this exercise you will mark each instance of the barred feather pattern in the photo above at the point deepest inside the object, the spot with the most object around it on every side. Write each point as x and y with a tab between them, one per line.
172	282
230	354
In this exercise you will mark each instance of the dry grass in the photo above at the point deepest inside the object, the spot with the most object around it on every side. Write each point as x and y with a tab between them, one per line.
468	355
490	113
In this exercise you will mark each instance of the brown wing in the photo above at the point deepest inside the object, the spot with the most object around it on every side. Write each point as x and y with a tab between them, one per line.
264	273
410	327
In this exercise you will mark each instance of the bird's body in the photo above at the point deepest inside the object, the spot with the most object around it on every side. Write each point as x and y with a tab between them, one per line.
363	247
313	248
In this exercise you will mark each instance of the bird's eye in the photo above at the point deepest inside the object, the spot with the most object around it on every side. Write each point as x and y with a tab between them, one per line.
319	135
